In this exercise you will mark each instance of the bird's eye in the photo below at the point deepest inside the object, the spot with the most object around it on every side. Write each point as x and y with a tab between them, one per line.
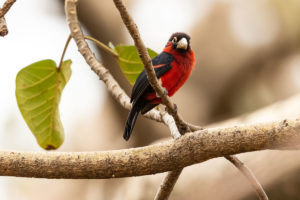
174	40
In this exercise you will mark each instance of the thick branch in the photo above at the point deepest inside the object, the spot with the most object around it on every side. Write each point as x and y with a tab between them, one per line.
167	156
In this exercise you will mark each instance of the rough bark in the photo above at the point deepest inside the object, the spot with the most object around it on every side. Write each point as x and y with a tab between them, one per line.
171	155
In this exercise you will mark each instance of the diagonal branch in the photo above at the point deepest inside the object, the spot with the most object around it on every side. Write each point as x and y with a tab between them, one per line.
111	84
133	30
3	27
171	155
249	175
171	178
5	8
167	185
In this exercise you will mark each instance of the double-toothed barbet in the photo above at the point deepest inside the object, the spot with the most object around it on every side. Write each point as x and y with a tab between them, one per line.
172	67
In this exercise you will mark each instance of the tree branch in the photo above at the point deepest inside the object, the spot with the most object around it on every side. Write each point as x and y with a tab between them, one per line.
3	27
111	84
171	155
171	178
249	175
143	53
5	8
167	185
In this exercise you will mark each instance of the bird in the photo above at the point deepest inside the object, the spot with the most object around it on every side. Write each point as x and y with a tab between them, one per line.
172	67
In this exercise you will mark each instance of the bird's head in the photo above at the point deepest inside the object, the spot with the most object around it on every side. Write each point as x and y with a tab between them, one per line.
180	41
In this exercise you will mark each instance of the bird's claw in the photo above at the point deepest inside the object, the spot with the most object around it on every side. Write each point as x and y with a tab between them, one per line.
165	92
175	108
174	111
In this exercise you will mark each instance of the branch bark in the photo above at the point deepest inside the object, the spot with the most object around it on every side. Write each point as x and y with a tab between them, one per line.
5	8
171	155
112	86
3	27
167	185
143	53
249	175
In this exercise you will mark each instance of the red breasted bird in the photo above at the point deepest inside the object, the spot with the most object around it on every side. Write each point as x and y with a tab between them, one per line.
172	67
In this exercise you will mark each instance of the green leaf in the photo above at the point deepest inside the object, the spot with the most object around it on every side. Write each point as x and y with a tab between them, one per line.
38	91
130	62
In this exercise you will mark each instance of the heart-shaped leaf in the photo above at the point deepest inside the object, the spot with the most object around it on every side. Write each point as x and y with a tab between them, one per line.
130	62
38	90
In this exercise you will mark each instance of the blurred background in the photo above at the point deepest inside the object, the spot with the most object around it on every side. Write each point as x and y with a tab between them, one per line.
248	57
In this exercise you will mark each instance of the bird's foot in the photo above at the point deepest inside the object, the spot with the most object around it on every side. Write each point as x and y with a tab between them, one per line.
165	93
173	111
175	108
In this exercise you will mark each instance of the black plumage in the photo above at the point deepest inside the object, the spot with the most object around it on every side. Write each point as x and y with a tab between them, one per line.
142	87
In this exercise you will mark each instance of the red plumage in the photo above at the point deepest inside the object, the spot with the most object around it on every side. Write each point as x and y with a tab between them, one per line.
181	68
173	67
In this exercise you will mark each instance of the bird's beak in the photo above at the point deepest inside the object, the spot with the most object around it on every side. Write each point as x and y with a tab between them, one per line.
182	44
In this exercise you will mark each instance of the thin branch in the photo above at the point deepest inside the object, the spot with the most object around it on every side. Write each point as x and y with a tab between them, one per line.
143	53
103	46
6	6
167	185
171	178
171	155
249	175
111	84
244	170
3	27
64	51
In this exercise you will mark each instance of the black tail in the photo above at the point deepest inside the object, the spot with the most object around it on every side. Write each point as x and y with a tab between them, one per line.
131	119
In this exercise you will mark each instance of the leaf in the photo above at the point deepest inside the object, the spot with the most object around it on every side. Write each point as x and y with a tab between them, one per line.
130	62
38	91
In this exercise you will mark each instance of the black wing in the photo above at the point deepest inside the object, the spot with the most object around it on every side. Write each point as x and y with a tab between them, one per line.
142	84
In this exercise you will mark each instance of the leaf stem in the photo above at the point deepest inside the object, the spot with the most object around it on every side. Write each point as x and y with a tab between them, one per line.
103	46
64	51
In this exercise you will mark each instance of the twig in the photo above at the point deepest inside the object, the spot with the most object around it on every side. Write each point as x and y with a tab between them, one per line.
64	51
3	27
171	155
5	8
103	46
250	176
